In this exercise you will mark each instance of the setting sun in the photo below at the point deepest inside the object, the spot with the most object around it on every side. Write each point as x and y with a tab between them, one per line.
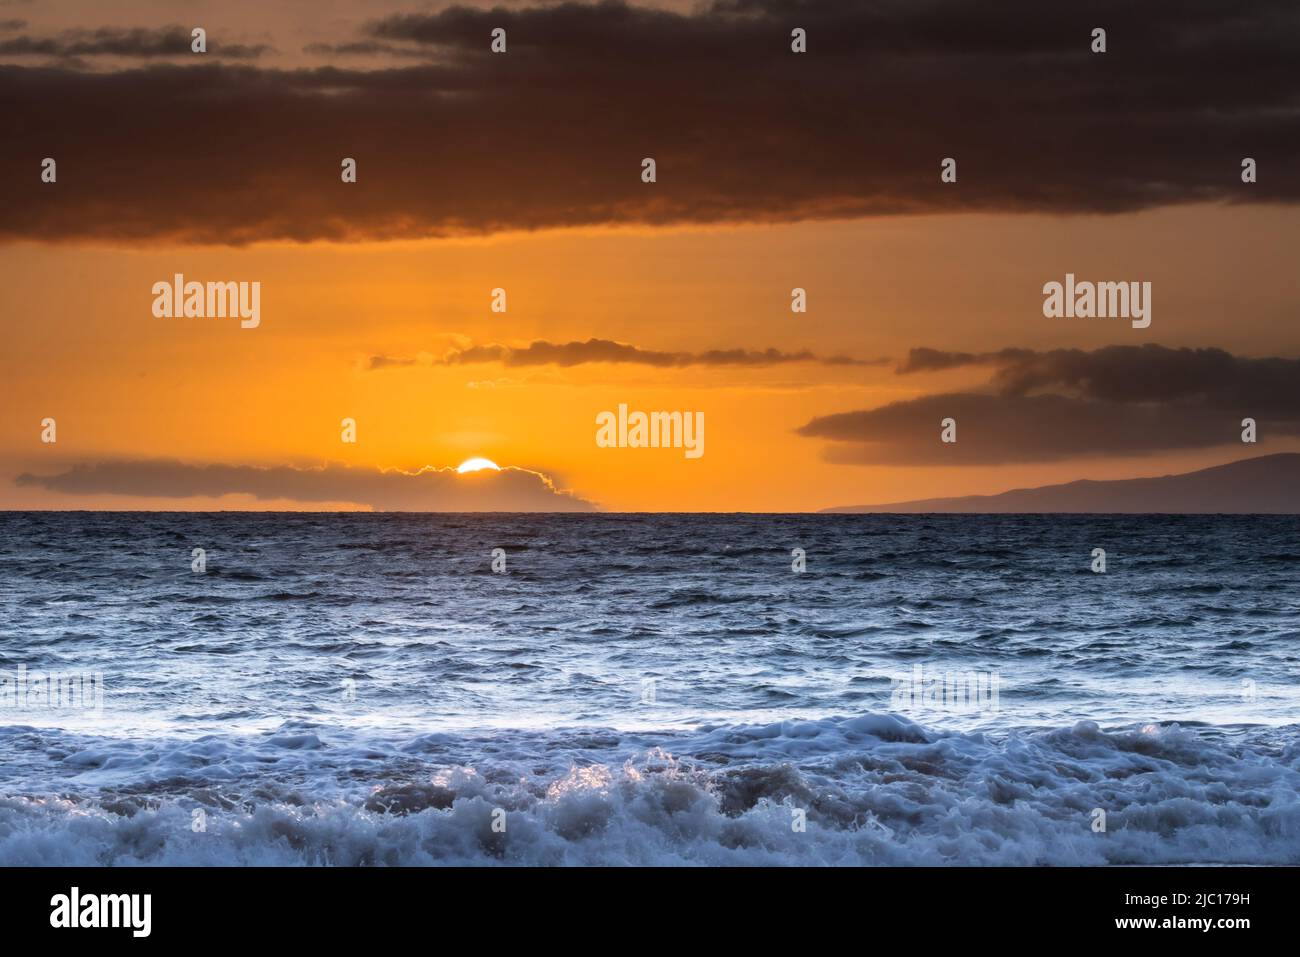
477	465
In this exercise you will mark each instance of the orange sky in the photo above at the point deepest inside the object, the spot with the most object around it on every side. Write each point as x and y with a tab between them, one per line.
768	182
84	347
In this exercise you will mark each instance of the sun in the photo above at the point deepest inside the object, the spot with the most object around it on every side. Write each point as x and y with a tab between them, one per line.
477	465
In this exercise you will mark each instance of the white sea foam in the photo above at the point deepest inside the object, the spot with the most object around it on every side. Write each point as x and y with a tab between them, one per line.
876	789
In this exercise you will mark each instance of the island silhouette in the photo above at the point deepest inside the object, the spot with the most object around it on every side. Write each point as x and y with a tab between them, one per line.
1263	485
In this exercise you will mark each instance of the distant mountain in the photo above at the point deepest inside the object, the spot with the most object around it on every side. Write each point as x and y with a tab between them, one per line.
1266	484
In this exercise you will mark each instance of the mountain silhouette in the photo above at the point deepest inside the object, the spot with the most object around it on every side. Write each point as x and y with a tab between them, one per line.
1267	484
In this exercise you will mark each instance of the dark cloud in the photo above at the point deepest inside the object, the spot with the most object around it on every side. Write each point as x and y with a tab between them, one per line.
365	48
1210	378
936	360
553	132
1147	373
1119	400
390	362
541	352
426	490
138	43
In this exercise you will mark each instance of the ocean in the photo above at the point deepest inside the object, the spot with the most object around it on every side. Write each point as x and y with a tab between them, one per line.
345	689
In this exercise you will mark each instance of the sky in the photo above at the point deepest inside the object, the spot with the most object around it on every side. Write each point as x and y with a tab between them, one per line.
523	171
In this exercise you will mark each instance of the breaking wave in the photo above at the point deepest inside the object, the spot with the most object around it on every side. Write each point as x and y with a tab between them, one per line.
866	790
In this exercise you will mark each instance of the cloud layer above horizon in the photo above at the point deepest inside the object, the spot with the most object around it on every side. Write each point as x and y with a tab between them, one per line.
1071	403
423	490
451	139
567	354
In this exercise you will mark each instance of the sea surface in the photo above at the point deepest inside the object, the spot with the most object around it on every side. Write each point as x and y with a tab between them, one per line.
648	689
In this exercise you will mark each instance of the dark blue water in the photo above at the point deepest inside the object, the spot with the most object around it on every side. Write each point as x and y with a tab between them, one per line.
644	688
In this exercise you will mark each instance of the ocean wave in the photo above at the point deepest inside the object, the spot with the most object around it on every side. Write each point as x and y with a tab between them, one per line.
874	789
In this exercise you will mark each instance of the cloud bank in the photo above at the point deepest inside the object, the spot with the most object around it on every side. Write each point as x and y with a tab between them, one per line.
1068	403
171	42
540	353
552	133
426	490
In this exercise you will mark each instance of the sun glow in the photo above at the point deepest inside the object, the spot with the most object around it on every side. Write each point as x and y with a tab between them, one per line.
477	465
